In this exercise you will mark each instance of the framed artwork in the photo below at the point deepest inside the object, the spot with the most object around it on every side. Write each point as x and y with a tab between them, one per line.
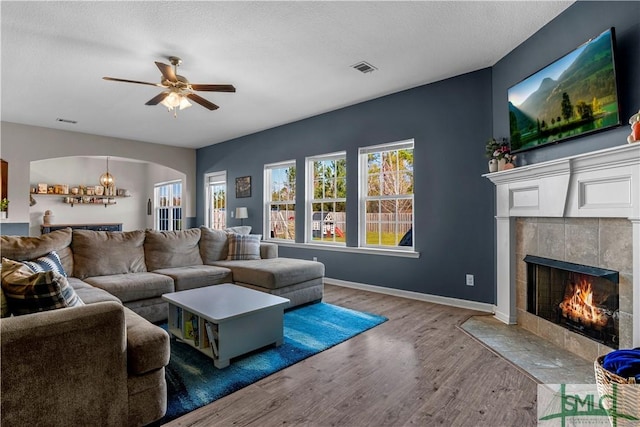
243	186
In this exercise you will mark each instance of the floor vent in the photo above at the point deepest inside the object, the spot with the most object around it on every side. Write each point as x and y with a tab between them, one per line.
364	67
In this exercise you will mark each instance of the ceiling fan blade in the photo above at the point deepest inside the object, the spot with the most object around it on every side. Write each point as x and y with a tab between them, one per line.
167	72
213	88
131	81
200	100
157	99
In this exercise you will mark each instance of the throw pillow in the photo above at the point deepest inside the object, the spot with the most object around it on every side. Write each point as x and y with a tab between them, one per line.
244	246
240	229
30	292
49	262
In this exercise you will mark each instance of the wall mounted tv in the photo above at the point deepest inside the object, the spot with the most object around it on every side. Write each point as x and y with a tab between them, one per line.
573	96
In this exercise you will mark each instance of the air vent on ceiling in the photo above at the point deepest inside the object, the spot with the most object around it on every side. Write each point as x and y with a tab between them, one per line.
364	67
73	122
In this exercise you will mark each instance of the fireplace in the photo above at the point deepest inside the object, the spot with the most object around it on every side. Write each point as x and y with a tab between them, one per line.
584	209
581	298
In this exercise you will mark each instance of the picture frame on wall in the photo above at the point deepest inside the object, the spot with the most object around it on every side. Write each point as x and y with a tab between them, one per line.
243	187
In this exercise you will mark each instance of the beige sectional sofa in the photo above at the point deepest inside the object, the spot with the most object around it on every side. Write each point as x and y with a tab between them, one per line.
102	363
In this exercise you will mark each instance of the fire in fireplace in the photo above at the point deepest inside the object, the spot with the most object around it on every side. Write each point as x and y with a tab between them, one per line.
581	298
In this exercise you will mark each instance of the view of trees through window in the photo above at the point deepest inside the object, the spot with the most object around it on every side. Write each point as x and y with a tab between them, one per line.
388	200
329	196
281	203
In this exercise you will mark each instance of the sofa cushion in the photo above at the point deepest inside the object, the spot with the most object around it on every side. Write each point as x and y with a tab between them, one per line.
133	286
244	247
275	272
21	248
90	294
196	276
214	245
49	262
168	249
102	253
30	292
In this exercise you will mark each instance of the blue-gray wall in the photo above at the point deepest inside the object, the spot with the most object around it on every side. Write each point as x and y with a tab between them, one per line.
572	28
450	122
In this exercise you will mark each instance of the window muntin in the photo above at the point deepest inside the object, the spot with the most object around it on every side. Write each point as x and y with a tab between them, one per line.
280	200
387	196
327	197
216	196
168	206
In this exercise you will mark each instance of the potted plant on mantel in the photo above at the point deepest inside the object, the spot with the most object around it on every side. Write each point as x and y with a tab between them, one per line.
499	154
4	205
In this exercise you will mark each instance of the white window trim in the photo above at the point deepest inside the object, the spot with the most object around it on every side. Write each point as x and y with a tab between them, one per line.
157	207
220	176
309	189
266	200
362	191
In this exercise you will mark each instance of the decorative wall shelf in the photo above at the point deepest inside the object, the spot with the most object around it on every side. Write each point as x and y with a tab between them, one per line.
73	199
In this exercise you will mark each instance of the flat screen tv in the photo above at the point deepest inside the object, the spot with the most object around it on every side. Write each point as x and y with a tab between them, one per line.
573	96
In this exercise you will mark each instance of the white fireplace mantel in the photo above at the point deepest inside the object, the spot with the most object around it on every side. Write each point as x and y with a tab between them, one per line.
600	184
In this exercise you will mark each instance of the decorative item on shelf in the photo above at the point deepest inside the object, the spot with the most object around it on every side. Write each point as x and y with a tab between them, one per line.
634	121
499	154
48	217
241	214
42	188
4	205
99	190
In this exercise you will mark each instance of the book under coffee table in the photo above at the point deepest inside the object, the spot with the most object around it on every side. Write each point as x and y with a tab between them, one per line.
225	321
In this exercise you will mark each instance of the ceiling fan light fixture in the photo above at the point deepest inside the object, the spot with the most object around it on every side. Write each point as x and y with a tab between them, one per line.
184	102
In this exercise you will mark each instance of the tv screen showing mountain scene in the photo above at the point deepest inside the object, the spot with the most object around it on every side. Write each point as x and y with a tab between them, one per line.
573	96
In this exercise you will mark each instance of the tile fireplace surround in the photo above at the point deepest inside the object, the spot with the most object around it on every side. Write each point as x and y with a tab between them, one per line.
583	209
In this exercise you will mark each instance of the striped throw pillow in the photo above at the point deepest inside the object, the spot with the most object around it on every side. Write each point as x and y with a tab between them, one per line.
31	292
49	262
244	246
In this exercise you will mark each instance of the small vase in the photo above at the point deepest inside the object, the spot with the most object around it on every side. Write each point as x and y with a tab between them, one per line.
501	163
493	165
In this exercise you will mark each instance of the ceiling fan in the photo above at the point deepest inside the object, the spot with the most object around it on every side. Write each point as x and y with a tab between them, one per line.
178	88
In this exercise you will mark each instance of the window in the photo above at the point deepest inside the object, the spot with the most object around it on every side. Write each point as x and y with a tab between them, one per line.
168	206
280	200
327	197
386	197
216	197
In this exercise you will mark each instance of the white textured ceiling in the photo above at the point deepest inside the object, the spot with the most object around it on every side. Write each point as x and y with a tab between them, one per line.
288	60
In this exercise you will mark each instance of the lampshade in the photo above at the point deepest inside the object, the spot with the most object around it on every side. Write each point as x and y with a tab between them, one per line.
106	179
241	213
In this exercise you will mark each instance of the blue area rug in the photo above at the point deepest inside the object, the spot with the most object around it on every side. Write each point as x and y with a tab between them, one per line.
193	381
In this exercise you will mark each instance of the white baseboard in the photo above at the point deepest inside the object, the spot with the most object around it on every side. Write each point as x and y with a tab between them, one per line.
454	302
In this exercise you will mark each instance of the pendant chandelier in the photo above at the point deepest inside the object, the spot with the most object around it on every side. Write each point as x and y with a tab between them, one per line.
106	179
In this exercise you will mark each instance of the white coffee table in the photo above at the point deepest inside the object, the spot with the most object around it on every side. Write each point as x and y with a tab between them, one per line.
229	320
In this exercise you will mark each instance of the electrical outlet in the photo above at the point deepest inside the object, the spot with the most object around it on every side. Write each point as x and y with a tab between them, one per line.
232	213
469	279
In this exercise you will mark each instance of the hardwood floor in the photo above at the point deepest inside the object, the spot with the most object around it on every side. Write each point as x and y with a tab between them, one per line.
417	369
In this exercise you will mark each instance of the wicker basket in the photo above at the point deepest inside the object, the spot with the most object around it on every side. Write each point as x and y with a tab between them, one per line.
628	397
